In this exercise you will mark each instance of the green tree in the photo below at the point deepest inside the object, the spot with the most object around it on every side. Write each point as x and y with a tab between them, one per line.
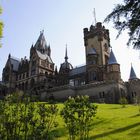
1	26
127	16
78	113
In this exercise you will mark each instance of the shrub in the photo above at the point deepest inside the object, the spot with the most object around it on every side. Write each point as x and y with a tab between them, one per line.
78	113
123	101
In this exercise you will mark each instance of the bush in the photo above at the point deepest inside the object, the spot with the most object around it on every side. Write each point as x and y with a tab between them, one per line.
22	119
123	101
78	113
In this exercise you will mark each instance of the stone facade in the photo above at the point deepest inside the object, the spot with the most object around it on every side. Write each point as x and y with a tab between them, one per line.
99	78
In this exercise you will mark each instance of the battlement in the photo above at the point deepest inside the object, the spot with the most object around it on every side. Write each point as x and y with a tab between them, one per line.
97	30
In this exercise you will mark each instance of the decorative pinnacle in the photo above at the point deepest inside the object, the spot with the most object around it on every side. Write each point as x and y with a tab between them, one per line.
66	56
41	32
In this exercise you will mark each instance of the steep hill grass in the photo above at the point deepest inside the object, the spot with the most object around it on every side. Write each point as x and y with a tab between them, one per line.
112	122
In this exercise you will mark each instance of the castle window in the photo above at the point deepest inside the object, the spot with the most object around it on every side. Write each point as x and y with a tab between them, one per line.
22	86
32	82
110	68
23	75
33	63
102	94
105	47
94	62
43	63
51	66
33	72
26	85
94	76
41	71
20	77
27	74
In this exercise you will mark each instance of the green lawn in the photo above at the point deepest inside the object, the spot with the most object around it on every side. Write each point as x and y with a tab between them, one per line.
112	122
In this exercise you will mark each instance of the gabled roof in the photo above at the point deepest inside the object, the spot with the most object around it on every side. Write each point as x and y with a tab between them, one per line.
112	58
132	74
41	42
15	62
44	56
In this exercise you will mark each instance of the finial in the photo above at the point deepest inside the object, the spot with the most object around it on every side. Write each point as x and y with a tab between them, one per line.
94	15
66	56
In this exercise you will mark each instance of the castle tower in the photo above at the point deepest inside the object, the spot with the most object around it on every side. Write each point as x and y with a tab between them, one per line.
97	51
40	60
97	39
113	68
65	68
132	74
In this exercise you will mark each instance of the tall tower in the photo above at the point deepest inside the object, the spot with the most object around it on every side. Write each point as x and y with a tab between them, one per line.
97	51
64	70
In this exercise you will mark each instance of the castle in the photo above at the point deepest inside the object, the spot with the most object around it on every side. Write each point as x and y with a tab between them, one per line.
99	78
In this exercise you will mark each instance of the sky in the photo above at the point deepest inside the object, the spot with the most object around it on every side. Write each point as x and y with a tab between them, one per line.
63	22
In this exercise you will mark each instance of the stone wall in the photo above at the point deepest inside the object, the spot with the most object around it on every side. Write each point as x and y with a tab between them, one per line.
101	92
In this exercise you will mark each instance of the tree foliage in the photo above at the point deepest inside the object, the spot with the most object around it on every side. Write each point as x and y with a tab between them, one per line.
78	113
21	119
1	26
127	16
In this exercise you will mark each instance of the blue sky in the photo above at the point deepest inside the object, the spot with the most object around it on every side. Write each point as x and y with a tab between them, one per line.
63	22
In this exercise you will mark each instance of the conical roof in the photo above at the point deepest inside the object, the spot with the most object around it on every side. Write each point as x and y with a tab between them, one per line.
132	74
112	58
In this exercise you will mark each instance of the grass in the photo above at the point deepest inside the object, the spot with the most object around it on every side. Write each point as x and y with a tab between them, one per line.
112	122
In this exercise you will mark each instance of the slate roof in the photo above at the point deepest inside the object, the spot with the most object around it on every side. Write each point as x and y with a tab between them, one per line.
66	65
91	50
78	70
132	74
15	62
41	42
44	56
112	58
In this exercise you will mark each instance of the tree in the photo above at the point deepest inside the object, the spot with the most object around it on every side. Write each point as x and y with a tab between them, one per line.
78	113
1	26
127	16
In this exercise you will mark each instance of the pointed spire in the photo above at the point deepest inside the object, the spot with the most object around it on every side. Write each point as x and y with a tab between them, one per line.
9	56
56	72
132	73
112	58
66	56
41	42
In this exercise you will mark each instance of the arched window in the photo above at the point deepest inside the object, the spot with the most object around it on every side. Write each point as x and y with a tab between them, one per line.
32	82
26	85
22	86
